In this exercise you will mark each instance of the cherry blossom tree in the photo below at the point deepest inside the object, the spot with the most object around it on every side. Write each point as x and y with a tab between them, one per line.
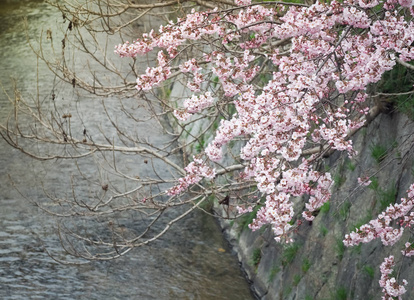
321	60
292	82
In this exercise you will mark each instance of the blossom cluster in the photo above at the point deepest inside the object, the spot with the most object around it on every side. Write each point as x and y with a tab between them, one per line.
391	288
196	171
318	62
382	226
296	102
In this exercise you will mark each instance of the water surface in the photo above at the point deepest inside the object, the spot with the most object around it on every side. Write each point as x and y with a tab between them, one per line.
188	263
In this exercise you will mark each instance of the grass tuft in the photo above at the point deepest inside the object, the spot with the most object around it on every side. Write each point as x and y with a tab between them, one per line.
378	152
325	207
374	185
388	196
369	271
296	279
306	265
323	230
340	248
344	209
256	256
340	294
289	253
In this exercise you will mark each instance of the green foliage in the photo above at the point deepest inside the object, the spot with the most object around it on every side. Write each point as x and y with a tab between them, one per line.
325	207
350	165
231	109
168	93
374	185
399	80
339	180
296	279
256	256
340	248
369	271
201	144
273	271
378	152
306	265
405	104
388	196
308	297
216	124
166	89
265	78
344	209
323	230
215	81
289	253
340	294
287	291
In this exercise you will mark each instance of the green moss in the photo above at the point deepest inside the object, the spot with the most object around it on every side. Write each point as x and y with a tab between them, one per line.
199	147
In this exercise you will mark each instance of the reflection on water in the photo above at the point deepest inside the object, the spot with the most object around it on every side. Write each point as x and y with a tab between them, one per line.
188	263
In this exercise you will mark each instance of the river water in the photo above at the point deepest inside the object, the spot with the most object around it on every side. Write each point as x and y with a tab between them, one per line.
192	261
